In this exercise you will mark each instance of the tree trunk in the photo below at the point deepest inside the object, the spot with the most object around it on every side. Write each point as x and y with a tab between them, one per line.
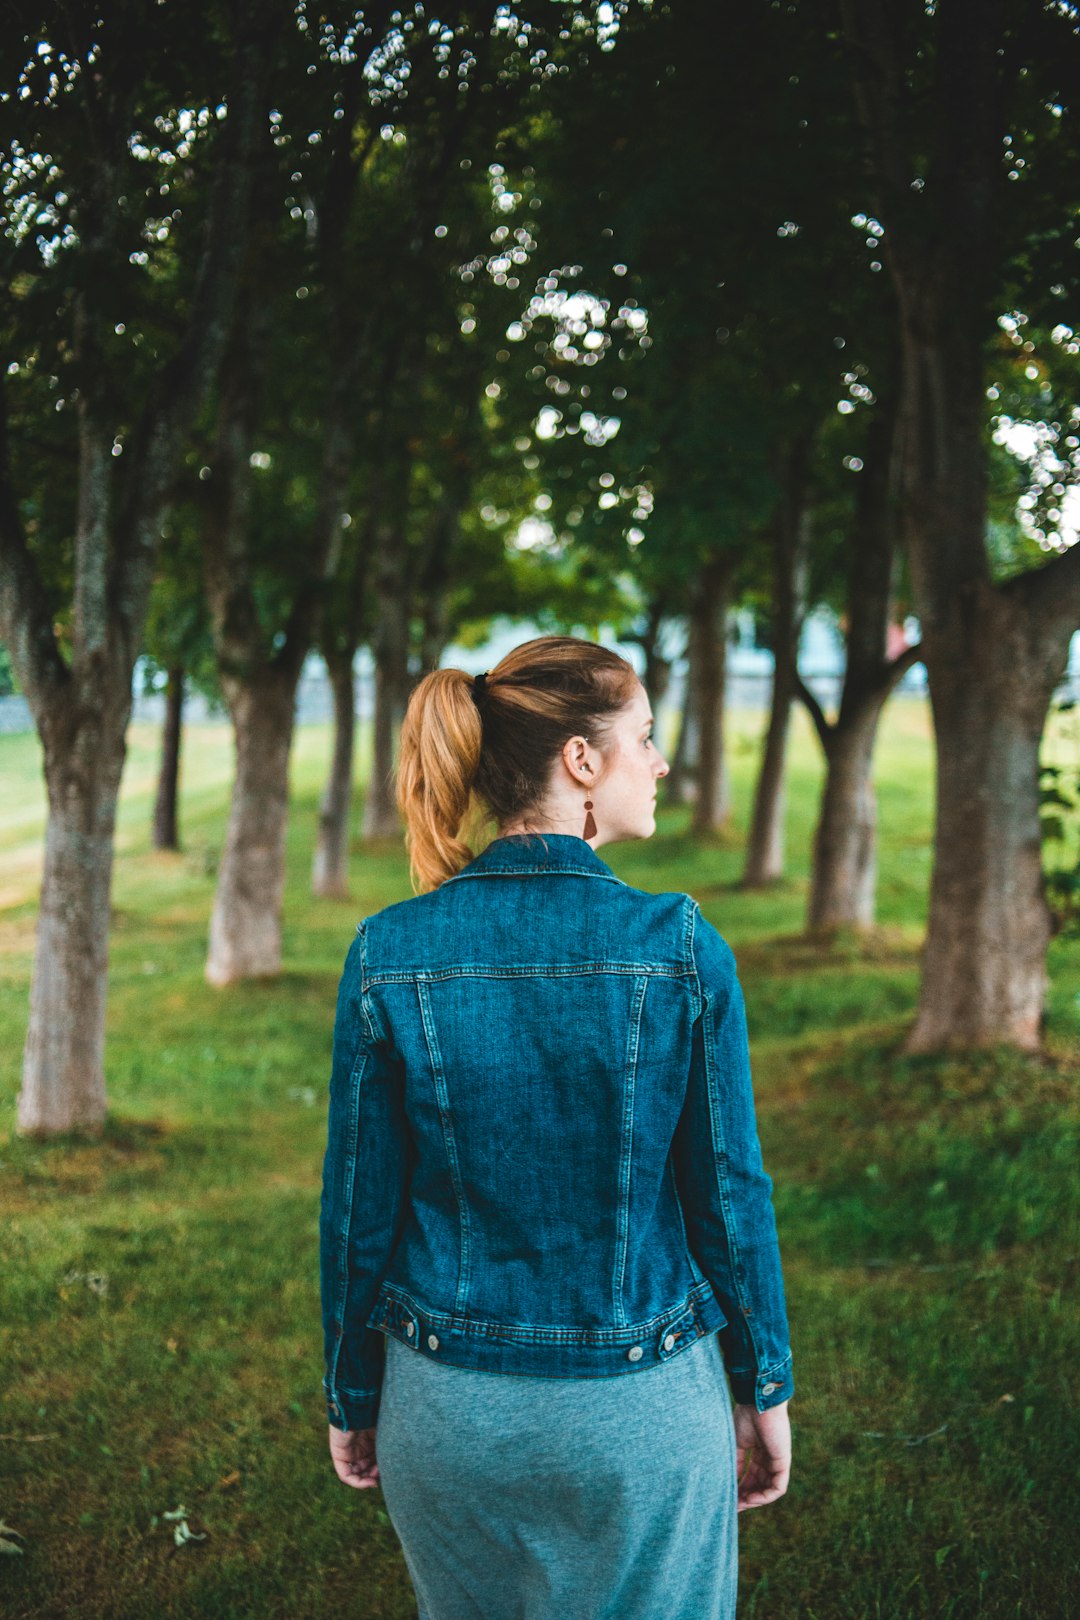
842	887
993	655
330	868
380	819
63	1079
165	833
765	848
708	664
678	785
391	653
245	925
259	683
657	675
433	591
984	964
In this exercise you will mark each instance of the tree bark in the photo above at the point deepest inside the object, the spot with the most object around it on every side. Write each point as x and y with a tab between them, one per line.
765	848
984	964
708	667
842	889
245	924
330	867
390	648
165	831
678	785
63	1078
657	675
380	818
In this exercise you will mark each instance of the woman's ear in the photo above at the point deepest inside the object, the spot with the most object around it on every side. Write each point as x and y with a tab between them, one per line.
576	759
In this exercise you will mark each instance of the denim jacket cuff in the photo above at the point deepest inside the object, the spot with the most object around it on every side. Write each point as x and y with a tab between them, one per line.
349	1409
770	1387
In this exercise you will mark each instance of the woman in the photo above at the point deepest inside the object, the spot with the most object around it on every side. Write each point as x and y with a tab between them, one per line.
546	1230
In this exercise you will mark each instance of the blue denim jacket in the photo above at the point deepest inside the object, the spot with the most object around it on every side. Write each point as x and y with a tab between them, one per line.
542	1154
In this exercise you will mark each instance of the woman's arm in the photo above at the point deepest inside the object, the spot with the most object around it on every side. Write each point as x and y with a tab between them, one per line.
364	1189
726	1195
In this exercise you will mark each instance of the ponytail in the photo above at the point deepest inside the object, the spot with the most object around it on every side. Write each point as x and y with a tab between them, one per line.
441	738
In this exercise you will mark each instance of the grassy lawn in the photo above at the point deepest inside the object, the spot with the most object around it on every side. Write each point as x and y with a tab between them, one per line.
160	1343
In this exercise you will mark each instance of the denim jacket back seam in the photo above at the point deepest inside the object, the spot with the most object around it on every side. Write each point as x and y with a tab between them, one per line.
442	1098
622	1227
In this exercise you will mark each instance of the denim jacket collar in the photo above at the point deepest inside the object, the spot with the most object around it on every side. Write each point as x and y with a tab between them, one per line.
518	853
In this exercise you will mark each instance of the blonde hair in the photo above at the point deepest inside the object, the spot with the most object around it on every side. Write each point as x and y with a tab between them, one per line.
470	754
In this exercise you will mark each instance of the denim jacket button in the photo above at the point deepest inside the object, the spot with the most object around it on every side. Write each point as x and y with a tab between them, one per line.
635	1352
767	1389
409	1329
669	1342
433	1343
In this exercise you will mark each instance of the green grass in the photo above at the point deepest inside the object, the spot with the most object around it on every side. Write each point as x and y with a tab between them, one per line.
159	1324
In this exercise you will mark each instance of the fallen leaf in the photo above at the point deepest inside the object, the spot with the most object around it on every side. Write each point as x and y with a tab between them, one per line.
7	1546
182	1533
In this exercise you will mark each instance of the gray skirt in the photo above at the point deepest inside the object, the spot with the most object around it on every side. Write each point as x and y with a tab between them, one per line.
529	1498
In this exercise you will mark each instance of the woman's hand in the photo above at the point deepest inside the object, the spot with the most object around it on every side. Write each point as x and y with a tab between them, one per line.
763	1454
352	1452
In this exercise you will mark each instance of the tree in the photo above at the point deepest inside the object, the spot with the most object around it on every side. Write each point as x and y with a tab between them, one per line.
126	197
843	882
954	102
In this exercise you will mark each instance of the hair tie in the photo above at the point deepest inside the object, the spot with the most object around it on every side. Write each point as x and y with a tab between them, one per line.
479	684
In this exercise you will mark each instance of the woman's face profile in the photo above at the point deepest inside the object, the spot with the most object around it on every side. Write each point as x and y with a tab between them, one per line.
625	794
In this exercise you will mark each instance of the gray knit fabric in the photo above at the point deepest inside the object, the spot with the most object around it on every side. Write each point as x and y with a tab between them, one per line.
533	1498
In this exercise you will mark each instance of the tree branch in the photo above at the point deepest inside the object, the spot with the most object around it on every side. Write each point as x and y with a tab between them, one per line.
894	672
817	713
870	27
1052	591
182	383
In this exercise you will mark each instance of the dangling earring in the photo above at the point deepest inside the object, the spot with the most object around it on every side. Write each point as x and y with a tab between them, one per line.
590	824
